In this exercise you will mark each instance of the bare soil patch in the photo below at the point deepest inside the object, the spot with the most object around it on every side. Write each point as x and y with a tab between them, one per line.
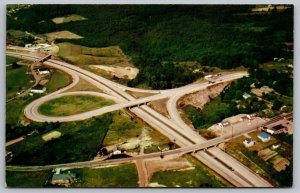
200	98
62	35
69	18
160	106
120	72
167	164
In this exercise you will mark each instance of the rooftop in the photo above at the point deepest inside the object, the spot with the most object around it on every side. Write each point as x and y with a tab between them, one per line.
278	127
38	87
264	135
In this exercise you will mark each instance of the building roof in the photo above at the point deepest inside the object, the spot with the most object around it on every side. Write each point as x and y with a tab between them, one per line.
278	127
225	123
244	118
264	135
43	69
248	140
37	87
65	176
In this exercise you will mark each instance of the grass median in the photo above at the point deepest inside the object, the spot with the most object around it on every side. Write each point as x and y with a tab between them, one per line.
70	105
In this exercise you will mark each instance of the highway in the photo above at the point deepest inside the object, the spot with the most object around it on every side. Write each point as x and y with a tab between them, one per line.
179	151
176	131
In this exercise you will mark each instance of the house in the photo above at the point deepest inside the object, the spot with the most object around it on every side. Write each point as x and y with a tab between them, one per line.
277	129
63	179
275	146
248	142
245	118
223	124
208	76
38	89
43	71
264	137
246	95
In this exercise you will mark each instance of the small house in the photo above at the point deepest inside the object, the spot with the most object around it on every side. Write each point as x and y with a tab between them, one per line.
246	95
225	123
245	118
63	179
248	142
275	146
38	89
264	137
43	71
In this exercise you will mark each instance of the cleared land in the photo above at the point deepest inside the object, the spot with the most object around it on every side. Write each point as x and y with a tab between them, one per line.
81	55
27	179
116	176
58	80
62	35
70	105
132	134
200	176
51	135
67	19
83	85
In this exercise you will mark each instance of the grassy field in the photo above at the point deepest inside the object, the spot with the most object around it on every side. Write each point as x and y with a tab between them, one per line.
201	176
10	59
79	142
26	179
116	176
68	105
122	128
14	109
16	80
58	80
83	85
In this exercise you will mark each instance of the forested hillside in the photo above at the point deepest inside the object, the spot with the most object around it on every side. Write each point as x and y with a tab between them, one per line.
159	35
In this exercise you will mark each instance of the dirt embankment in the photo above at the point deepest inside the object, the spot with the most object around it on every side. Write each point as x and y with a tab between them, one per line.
200	98
167	164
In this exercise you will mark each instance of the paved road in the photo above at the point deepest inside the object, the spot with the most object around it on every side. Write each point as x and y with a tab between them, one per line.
179	151
182	138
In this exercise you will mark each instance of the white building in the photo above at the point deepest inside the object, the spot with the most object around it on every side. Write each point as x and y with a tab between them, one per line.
38	89
248	142
44	71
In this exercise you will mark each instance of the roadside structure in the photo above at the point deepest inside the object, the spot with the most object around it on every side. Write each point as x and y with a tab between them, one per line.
264	137
248	142
63	179
38	89
43	71
277	129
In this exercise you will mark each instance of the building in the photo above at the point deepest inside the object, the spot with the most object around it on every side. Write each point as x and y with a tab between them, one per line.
277	129
38	89
63	179
246	95
264	137
275	146
245	118
248	142
43	71
224	124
